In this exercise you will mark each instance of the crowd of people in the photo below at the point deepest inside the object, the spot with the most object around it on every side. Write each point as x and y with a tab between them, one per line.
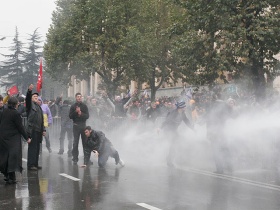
38	118
86	118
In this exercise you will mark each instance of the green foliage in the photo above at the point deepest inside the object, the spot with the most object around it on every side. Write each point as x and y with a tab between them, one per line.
156	41
120	40
63	41
228	35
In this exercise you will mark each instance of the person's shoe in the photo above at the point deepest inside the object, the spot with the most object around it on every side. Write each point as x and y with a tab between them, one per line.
60	152
6	177
39	167
32	168
121	163
50	150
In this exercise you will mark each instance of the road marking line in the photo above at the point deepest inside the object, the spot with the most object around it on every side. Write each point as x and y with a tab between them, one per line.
24	160
235	179
70	177
144	205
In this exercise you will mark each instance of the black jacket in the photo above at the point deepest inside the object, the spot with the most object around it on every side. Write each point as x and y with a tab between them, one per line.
21	109
96	141
66	122
54	109
11	130
79	120
64	109
35	120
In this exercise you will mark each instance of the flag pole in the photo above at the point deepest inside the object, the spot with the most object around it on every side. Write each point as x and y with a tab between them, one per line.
40	78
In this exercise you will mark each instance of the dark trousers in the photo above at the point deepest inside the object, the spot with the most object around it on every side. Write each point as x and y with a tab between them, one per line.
109	152
78	130
34	149
63	132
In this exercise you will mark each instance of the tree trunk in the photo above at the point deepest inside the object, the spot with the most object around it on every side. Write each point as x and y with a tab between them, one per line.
153	93
258	81
153	86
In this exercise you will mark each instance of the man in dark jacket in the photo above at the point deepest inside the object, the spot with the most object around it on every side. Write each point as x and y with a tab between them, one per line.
11	130
66	126
153	112
53	108
21	108
97	143
171	124
79	114
35	128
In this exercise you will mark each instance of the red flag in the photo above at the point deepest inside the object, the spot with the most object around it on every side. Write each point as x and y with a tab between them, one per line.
13	90
40	78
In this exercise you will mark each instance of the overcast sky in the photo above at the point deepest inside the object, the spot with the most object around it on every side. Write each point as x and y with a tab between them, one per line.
27	15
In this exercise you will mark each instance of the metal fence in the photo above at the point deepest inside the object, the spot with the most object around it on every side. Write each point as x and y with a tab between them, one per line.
54	129
112	125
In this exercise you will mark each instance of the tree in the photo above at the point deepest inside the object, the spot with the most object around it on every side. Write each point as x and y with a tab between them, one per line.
229	35
31	60
63	42
13	68
88	37
108	23
121	41
148	45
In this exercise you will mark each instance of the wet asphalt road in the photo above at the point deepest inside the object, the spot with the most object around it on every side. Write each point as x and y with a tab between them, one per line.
138	186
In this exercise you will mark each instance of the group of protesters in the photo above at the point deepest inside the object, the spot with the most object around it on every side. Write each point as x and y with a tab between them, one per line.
86	118
38	119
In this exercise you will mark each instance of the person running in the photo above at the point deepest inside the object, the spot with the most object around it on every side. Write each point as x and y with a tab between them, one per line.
102	147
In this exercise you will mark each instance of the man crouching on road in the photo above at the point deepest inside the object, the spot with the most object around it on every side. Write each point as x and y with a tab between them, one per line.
97	143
